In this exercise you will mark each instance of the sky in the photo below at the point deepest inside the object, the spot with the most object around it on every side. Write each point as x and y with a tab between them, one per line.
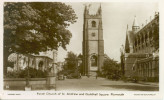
115	18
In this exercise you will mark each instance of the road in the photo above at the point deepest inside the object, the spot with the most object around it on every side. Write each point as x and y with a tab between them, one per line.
102	84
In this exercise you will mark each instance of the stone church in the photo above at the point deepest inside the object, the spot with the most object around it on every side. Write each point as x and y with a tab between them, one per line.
141	54
93	43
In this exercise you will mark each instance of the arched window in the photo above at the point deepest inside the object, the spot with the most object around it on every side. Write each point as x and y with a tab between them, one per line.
93	61
142	38
139	41
150	33
40	65
146	37
33	62
93	24
135	42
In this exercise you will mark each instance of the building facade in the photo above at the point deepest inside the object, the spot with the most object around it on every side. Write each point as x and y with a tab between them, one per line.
93	43
37	62
141	57
43	61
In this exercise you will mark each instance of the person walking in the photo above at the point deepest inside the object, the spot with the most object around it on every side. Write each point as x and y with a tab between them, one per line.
96	75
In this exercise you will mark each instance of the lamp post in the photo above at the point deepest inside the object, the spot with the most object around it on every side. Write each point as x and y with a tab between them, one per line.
51	77
28	87
54	62
79	62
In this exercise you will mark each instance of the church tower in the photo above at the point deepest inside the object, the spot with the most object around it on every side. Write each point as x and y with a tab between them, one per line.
93	43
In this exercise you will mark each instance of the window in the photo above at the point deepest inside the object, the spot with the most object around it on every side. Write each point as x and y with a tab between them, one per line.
93	24
93	61
150	34
40	65
146	37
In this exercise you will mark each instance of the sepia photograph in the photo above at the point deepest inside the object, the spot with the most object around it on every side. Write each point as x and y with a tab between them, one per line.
38	34
81	46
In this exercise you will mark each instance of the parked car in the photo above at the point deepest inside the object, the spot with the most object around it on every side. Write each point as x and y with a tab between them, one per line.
74	76
69	77
61	77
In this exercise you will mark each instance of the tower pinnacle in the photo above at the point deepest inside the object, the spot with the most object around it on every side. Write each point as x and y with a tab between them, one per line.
135	23
135	26
86	12
99	10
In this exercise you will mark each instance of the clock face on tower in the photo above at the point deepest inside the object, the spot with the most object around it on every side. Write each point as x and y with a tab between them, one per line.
93	34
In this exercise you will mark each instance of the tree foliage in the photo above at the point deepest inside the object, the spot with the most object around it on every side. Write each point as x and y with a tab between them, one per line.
35	27
111	68
31	27
71	61
33	73
80	67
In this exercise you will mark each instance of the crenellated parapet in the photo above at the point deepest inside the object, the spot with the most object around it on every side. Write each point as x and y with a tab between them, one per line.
143	41
96	16
93	16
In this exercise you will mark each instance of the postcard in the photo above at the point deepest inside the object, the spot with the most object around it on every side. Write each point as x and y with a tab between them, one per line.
81	49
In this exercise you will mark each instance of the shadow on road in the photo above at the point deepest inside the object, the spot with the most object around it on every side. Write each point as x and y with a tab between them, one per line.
134	87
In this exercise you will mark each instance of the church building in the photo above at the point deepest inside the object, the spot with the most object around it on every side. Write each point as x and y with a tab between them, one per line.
93	43
141	57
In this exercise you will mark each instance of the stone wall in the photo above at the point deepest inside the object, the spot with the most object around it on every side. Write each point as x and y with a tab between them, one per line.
20	83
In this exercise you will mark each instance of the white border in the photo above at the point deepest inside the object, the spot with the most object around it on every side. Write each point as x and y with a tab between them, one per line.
128	94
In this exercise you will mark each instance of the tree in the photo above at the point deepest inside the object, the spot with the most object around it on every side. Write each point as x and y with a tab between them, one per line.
80	57
32	27
71	61
111	68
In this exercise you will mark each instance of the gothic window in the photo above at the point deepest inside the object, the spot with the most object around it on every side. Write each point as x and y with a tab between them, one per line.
142	38
40	65
150	34
135	42
93	34
145	37
139	41
146	44
33	62
93	61
93	24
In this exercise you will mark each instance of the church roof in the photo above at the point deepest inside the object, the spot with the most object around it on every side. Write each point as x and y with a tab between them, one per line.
130	37
135	23
127	44
129	41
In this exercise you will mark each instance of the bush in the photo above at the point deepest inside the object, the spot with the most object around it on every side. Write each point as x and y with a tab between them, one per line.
33	73
66	72
124	78
135	79
14	74
99	74
153	79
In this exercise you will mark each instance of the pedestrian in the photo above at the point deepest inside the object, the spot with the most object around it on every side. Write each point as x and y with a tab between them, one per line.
80	75
96	76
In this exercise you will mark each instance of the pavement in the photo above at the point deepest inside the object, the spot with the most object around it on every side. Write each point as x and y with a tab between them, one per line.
103	84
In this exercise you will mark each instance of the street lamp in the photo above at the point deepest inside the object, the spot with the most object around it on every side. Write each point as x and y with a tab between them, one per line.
51	77
28	87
